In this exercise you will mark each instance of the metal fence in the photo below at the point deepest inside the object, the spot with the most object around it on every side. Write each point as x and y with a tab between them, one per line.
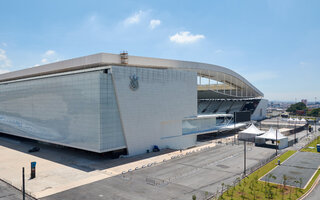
237	180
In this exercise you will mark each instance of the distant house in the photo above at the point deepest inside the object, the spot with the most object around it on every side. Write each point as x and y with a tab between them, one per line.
300	112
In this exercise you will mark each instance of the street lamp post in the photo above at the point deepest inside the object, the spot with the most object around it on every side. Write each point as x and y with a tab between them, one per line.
23	185
315	125
295	132
244	156
277	136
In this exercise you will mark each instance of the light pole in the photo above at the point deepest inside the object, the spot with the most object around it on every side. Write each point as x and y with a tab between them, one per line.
277	136
234	127
244	157
315	125
295	133
23	186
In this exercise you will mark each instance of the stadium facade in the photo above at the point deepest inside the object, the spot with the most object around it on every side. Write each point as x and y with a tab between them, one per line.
108	102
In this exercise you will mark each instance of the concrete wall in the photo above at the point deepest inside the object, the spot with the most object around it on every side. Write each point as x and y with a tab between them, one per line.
152	115
260	112
111	128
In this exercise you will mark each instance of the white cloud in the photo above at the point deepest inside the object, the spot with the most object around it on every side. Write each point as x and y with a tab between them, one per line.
218	51
49	53
49	56
185	37
44	60
4	60
135	18
303	63
154	23
306	65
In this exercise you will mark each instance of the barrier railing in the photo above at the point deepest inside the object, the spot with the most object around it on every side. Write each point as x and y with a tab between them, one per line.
237	180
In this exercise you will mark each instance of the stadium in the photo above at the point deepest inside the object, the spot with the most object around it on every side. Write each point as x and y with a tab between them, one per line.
109	102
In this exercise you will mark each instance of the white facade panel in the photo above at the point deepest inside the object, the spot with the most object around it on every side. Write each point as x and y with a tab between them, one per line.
261	110
153	114
111	127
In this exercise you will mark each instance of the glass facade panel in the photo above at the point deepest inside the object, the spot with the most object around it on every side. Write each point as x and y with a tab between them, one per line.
64	109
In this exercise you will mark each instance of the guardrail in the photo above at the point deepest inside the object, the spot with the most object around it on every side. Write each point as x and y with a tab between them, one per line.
241	176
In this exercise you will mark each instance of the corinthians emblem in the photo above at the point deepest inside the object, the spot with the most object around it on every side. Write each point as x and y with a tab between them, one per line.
134	83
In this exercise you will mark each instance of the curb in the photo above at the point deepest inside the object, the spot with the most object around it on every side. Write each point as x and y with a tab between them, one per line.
311	189
28	193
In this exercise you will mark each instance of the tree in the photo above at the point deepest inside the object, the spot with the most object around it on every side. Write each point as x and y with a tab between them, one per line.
232	191
300	184
194	197
242	191
270	194
222	185
284	178
255	184
297	106
237	181
228	189
296	182
314	112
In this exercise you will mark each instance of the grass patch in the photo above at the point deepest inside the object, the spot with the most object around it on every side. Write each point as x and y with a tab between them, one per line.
252	188
312	144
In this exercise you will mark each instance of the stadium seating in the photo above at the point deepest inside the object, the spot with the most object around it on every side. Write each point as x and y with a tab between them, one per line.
206	107
236	107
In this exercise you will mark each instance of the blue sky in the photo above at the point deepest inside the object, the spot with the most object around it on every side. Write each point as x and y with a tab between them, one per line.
273	44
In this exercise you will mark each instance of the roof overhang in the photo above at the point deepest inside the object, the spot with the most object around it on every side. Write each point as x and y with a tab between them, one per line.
103	59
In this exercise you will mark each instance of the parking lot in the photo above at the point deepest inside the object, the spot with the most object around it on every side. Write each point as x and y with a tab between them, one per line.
301	165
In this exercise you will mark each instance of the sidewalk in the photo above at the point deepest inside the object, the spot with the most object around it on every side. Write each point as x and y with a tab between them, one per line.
53	177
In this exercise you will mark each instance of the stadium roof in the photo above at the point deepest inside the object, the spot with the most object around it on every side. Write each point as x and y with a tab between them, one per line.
240	86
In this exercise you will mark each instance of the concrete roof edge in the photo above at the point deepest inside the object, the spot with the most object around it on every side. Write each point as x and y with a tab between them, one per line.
100	59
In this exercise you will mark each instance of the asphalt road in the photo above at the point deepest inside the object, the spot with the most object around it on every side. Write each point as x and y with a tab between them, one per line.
199	174
7	192
315	194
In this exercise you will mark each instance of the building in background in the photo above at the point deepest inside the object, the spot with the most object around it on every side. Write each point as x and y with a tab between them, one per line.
305	101
108	102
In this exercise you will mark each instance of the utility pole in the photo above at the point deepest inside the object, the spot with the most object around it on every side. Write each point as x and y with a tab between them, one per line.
23	185
315	121
295	132
260	124
315	125
244	157
277	136
234	127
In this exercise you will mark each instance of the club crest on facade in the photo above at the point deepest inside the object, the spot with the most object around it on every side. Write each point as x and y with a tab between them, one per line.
134	83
